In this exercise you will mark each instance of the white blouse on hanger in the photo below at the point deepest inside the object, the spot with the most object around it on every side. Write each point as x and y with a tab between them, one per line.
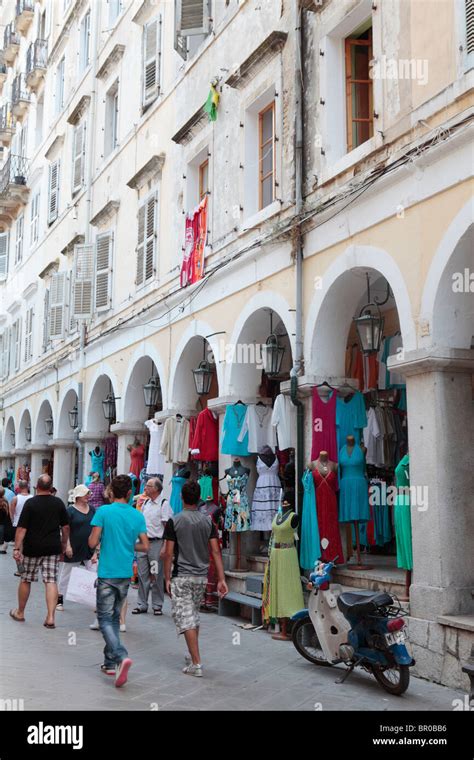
284	420
156	461
175	440
258	423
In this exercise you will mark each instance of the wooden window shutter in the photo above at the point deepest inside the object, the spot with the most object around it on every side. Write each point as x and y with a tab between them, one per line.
17	344
19	239
46	320
150	239
78	158
57	305
469	26
3	255
34	228
151	60
83	281
192	17
141	245
53	199
28	335
103	271
5	368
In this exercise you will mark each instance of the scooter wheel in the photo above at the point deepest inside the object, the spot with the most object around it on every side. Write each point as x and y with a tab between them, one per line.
395	680
306	642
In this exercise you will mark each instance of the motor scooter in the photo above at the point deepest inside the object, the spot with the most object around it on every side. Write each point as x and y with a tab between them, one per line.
359	629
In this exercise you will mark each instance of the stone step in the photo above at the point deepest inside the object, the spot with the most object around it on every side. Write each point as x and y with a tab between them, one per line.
245	582
390	579
257	563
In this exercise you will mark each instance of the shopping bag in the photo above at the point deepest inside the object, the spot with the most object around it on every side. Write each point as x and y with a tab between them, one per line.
81	587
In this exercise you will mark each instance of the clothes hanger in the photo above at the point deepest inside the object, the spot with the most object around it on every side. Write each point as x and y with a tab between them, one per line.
325	384
260	403
239	402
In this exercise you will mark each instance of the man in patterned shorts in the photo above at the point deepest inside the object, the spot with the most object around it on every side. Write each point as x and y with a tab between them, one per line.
41	536
188	536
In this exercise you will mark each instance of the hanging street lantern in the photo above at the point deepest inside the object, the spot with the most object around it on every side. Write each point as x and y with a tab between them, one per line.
108	405
74	417
202	378
369	327
28	433
272	353
152	392
12	438
49	426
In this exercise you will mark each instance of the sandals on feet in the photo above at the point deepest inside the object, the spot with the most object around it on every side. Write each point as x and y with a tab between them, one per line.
138	611
157	612
15	616
49	625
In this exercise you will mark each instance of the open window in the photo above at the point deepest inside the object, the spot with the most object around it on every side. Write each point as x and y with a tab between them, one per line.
359	87
192	25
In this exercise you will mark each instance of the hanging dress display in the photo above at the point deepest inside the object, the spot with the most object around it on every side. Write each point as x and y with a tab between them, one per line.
310	549
97	462
393	347
177	483
206	437
205	484
354	489
266	497
326	487
286	594
156	460
175	440
351	419
402	515
233	420
137	460
258	424
237	514
324	426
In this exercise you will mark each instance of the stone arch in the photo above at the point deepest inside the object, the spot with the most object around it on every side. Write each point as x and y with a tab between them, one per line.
45	410
64	429
138	372
448	311
94	420
251	331
10	428
25	421
335	303
189	352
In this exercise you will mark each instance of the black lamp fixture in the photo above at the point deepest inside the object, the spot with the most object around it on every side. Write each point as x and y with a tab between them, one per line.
74	417
108	405
272	352
12	438
49	425
28	433
203	374
370	323
152	390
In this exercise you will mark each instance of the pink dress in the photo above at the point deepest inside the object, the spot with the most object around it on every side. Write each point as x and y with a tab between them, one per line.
137	460
324	426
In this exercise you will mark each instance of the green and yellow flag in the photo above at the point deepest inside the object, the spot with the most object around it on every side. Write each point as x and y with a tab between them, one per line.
211	103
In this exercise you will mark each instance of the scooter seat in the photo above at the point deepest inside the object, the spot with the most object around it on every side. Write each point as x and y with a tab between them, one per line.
361	602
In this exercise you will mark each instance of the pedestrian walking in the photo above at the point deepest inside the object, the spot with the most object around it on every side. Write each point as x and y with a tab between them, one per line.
41	536
7	532
189	535
16	507
116	527
97	491
9	493
157	511
78	553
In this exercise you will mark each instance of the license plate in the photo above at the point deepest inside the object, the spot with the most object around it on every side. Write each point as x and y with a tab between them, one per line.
395	638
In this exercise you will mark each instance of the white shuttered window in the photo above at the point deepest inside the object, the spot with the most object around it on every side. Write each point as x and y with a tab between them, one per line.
83	281
16	344
151	60
34	228
46	321
28	335
19	239
146	241
192	17
5	354
3	255
57	304
53	195
103	271
78	157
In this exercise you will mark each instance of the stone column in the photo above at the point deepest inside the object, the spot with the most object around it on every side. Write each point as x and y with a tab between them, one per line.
441	444
126	432
63	475
39	452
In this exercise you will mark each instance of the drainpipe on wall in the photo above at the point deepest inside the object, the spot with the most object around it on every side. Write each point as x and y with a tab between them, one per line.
298	365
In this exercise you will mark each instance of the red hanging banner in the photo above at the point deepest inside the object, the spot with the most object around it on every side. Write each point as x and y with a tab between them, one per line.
192	268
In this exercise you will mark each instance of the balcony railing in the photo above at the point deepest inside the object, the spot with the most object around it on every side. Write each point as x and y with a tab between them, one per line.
7	120
19	91
3	65
24	6
13	172
25	11
37	56
10	36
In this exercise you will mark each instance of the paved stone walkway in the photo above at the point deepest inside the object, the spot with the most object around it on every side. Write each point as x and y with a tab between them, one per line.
243	670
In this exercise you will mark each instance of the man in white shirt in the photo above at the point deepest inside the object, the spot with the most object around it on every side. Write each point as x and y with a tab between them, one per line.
156	511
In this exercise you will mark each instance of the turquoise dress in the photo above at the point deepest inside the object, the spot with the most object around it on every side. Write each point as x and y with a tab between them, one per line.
97	463
310	548
402	515
205	484
232	425
353	486
351	419
177	484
